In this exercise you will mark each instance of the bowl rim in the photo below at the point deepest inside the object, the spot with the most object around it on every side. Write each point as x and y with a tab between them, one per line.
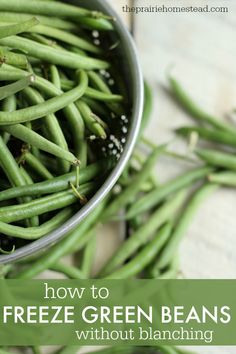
52	238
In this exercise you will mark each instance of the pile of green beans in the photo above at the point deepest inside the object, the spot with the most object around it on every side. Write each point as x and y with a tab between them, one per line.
60	111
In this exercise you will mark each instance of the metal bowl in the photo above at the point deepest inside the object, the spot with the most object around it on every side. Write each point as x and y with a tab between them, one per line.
135	87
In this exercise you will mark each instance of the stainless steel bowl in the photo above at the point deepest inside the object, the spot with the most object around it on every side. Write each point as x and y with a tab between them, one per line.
135	87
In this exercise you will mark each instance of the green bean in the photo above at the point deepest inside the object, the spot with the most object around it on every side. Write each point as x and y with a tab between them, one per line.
66	37
161	192
12	171
217	136
100	84
226	178
144	233
36	165
15	59
34	221
34	233
50	106
195	111
56	184
51	123
42	205
88	257
183	223
6	31
170	272
55	76
32	138
62	248
167	350
130	192
101	96
11	89
100	24
13	17
144	257
90	120
68	270
217	158
6	137
43	8
71	112
53	55
93	93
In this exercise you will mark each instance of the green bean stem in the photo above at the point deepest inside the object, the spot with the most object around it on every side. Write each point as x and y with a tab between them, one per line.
226	178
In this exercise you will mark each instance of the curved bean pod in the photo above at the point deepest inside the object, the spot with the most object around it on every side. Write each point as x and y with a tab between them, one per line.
50	106
11	89
42	205
34	233
56	184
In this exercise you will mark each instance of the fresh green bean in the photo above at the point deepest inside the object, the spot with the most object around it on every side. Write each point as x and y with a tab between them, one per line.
217	158
55	76
129	193
226	178
36	165
6	31
144	233
56	184
50	106
62	248
161	192
38	7
34	221
68	270
34	233
90	120
13	17
15	59
66	37
184	221
43	205
144	257
53	55
217	136
11	89
100	84
51	123
32	138
195	111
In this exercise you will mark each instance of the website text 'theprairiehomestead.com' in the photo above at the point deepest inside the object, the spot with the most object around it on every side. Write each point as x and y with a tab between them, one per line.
174	9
